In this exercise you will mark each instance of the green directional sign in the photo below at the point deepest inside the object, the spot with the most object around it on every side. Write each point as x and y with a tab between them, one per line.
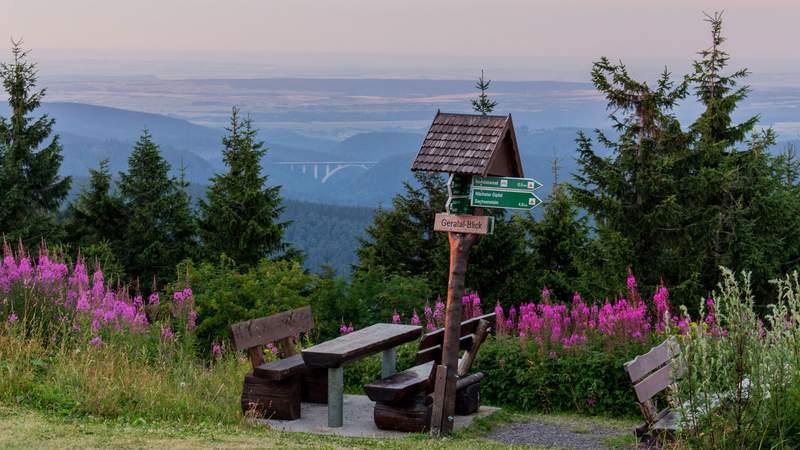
499	198
459	205
459	185
526	184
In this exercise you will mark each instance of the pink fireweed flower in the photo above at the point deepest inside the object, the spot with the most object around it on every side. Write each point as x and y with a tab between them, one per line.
12	318
415	318
216	349
191	320
153	299
631	281
166	332
552	355
395	317
545	295
96	341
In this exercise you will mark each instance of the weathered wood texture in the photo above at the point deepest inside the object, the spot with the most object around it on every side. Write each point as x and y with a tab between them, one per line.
435	353
281	368
640	366
468	399
402	384
411	415
650	374
445	392
271	399
274	328
315	385
360	343
470	144
469	356
468	326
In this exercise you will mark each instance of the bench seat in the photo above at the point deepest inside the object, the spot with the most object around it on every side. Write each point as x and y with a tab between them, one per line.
401	385
281	369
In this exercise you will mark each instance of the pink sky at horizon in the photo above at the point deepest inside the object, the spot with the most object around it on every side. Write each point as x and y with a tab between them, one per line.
508	31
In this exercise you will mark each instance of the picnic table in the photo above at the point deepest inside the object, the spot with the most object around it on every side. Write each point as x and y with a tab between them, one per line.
334	354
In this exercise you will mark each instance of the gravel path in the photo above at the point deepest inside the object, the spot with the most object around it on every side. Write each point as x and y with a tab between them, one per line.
563	433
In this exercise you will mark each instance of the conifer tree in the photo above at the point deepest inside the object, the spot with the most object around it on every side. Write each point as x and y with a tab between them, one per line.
632	194
736	192
483	104
31	189
160	229
558	244
241	215
97	214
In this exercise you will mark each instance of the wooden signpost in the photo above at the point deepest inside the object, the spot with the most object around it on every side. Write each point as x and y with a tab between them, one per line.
481	155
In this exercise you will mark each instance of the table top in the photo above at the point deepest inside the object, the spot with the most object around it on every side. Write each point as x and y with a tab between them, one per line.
359	343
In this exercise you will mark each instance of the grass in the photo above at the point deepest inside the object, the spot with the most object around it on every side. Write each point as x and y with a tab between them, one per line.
23	428
26	429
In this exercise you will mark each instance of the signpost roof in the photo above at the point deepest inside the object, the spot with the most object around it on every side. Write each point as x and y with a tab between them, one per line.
470	144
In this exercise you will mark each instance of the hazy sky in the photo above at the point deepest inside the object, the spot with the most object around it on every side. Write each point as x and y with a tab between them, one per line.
507	32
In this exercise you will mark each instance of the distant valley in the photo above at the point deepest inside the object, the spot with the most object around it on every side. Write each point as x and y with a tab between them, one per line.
338	148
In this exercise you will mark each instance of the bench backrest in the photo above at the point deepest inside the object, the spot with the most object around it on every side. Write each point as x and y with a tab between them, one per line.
473	333
654	372
281	329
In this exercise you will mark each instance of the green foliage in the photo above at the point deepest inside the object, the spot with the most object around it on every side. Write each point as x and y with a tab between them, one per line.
160	230
225	294
328	234
740	387
120	380
678	204
240	213
401	241
31	189
558	244
483	104
97	214
632	194
589	380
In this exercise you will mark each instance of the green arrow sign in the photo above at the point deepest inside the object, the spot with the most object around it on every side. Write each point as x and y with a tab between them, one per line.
458	185
458	205
526	184
498	198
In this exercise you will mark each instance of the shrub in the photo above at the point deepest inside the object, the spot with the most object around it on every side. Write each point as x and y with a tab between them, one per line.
225	295
587	379
740	389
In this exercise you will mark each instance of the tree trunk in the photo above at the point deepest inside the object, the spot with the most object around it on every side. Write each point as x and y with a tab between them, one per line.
460	245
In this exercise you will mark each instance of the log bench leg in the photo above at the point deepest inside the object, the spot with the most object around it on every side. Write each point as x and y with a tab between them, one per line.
389	362
335	396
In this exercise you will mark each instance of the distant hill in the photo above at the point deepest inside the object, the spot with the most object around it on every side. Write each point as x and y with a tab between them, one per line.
327	234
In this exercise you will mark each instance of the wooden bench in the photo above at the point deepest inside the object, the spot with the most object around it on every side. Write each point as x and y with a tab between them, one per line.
651	374
403	401
275	389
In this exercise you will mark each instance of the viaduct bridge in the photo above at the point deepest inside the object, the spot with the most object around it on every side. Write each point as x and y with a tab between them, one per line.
324	170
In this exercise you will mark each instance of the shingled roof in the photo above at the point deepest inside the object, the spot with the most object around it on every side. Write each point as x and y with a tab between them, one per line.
470	144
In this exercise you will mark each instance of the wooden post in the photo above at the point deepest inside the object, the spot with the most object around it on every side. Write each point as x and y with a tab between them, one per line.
443	415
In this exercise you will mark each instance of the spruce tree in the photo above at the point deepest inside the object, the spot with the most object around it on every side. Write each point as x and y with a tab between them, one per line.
401	241
241	215
483	104
558	244
97	214
160	227
31	189
737	193
632	193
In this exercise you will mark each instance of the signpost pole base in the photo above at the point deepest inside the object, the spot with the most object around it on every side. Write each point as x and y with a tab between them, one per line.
444	400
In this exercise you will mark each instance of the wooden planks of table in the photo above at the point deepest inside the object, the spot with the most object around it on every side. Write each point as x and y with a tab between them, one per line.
334	354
